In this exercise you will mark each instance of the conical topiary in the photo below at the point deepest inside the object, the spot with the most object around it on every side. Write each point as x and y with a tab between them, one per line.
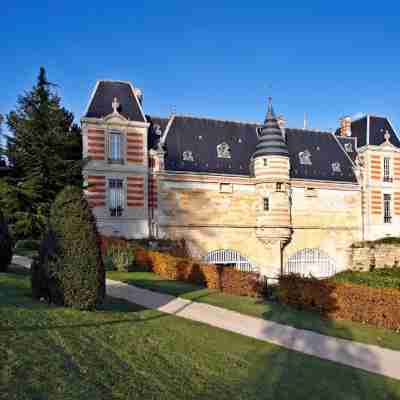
69	269
6	245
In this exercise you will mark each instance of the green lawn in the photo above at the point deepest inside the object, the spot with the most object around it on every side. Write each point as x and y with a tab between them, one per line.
125	352
378	278
262	309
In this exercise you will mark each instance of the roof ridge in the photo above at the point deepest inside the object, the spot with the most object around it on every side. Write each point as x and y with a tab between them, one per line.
218	119
313	130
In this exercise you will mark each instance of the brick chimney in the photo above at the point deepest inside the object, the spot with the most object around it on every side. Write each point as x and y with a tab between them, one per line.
345	126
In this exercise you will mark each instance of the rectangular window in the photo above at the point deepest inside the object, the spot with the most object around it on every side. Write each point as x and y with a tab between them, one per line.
310	192
266	204
279	187
226	188
387	205
115	147
265	162
386	170
116	197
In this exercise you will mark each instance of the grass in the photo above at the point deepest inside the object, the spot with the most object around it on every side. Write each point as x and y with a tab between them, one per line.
263	309
378	278
125	352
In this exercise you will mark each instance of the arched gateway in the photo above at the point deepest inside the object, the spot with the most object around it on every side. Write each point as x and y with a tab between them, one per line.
313	262
231	258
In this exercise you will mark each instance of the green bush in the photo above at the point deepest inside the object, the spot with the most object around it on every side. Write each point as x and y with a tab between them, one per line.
377	278
28	244
121	258
6	245
69	270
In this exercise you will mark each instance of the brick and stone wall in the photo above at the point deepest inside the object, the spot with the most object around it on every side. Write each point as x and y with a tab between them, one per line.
378	256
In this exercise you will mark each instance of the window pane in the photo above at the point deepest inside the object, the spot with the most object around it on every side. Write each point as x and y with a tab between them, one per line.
116	197
115	147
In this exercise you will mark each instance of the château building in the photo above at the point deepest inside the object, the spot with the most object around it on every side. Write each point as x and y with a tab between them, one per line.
258	196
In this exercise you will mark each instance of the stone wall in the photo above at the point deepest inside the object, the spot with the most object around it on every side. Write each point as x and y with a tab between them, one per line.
378	256
209	219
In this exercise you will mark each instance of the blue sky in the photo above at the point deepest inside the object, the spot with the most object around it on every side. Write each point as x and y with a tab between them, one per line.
211	58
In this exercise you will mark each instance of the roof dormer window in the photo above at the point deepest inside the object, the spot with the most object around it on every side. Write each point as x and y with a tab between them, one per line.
223	150
348	147
305	157
187	156
336	167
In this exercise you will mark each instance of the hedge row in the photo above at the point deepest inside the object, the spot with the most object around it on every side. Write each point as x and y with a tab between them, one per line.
378	307
175	247
225	279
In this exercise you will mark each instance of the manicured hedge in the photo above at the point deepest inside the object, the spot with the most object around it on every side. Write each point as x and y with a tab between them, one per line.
69	270
6	245
225	279
376	306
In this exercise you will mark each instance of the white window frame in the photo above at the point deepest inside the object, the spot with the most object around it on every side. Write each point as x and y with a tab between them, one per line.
110	134
124	196
387	176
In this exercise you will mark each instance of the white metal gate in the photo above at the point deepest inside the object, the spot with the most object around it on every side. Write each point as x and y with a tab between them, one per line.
231	257
313	262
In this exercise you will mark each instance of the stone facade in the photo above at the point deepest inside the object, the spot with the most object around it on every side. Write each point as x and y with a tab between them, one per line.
377	256
270	216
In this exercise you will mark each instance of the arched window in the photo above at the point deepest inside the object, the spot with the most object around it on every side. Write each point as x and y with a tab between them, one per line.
230	258
311	262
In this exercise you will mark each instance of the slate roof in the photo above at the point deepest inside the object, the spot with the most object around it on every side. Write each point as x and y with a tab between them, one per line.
377	129
201	136
324	150
157	126
270	141
349	145
101	102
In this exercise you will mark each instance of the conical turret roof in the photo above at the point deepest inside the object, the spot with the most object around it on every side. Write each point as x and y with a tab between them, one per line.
270	140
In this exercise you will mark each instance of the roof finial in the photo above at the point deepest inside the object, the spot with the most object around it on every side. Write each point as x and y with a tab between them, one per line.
115	105
270	112
387	136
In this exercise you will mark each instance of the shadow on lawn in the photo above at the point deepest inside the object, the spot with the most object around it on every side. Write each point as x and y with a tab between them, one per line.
311	375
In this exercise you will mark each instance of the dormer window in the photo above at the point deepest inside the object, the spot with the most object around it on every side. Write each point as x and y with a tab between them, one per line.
348	147
187	156
223	150
115	147
336	167
386	170
305	157
157	130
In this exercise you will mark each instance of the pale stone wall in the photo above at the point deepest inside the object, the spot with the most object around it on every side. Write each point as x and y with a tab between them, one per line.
329	219
378	256
209	220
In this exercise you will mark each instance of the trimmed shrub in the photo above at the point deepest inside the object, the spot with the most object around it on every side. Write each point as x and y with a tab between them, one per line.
69	270
378	307
225	279
28	244
378	278
6	245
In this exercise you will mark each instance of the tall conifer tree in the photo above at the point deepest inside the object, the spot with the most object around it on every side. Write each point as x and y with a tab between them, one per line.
45	154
